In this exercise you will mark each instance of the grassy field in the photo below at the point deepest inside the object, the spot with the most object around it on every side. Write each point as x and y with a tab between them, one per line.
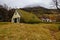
42	31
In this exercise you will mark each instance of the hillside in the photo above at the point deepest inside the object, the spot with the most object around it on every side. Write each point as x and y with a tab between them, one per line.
38	12
42	12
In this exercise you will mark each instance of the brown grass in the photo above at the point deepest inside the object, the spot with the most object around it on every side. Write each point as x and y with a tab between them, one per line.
13	31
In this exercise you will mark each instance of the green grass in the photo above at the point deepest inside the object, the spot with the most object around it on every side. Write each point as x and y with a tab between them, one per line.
28	17
21	31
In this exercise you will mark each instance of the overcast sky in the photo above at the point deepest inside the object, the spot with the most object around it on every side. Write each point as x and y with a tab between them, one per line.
23	3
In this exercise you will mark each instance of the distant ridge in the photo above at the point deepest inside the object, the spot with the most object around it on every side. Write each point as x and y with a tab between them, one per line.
38	10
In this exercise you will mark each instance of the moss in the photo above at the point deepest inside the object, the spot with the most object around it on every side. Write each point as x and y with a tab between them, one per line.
28	17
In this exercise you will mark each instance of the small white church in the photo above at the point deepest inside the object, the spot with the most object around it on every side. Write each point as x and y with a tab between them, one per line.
16	17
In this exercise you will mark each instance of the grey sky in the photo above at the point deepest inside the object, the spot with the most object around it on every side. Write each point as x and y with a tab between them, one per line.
22	3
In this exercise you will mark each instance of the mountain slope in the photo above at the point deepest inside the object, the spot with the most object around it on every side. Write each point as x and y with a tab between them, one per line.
42	12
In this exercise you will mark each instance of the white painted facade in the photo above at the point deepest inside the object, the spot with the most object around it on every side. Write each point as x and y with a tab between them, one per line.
16	17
